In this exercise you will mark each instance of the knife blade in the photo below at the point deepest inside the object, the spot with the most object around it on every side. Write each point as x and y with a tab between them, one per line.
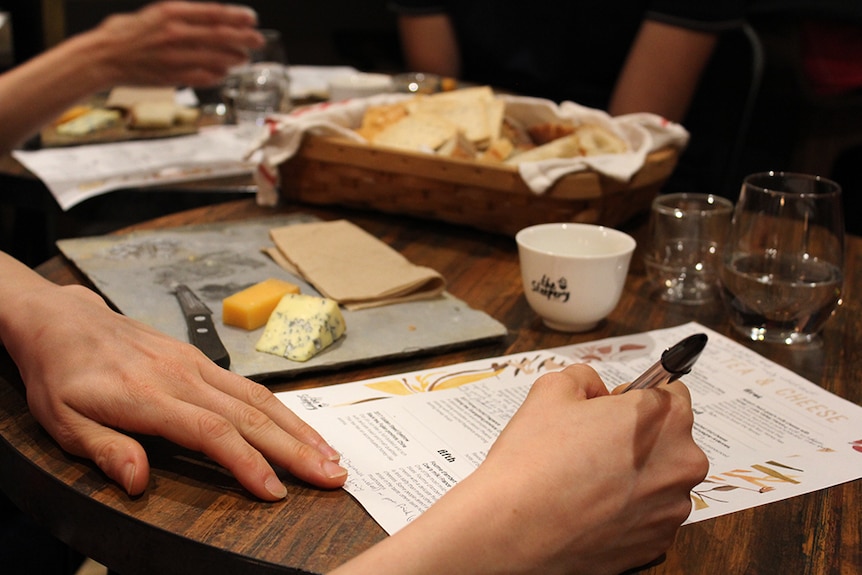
202	332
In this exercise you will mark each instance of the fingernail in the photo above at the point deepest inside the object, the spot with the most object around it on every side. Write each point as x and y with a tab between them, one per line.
129	476
329	451
247	9
333	470
275	487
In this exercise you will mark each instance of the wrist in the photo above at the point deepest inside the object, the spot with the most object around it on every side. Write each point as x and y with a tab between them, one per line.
26	297
92	62
466	532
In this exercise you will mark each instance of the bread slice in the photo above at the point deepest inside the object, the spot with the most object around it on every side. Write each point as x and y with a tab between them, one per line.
420	131
586	140
459	147
595	140
474	111
541	134
499	150
515	131
565	147
377	118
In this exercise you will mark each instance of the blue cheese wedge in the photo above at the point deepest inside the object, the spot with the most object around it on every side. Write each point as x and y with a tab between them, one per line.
92	121
301	326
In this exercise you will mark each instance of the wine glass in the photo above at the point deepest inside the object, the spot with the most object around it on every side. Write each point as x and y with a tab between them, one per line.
784	263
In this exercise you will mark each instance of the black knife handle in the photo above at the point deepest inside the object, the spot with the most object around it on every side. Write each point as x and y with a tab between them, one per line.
202	335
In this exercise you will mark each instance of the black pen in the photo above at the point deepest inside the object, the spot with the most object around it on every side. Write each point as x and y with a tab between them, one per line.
675	362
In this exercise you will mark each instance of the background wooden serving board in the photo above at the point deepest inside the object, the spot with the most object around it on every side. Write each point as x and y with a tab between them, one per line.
135	273
119	133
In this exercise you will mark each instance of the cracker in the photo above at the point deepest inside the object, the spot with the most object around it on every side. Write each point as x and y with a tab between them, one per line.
473	110
420	131
378	118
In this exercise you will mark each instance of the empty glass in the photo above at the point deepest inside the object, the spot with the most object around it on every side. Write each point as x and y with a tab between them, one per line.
262	91
261	87
683	252
783	267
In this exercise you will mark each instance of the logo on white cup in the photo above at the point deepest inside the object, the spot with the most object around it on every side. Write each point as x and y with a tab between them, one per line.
554	291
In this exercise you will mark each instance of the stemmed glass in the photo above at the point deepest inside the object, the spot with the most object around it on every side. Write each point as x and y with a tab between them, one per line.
784	263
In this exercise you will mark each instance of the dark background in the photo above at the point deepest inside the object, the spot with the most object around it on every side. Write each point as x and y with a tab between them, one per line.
754	103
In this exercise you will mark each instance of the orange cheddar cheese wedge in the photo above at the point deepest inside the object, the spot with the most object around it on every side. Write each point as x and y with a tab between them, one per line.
251	307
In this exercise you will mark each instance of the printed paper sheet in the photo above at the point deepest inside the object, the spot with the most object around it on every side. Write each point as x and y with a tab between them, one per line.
768	433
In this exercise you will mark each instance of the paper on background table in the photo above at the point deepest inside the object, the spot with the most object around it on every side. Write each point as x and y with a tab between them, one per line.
768	433
77	173
313	81
135	272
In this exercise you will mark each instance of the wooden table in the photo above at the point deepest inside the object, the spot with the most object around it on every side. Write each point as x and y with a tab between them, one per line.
36	221
194	517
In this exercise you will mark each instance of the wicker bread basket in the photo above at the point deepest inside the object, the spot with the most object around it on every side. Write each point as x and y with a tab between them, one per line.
489	197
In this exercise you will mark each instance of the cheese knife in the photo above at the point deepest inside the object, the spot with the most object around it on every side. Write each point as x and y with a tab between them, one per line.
202	333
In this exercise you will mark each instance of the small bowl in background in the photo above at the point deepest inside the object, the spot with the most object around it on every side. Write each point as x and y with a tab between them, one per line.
573	274
360	85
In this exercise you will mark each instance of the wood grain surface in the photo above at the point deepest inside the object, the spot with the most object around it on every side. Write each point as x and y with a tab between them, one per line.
195	518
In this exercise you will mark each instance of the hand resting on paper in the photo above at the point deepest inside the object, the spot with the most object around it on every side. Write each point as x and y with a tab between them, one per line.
91	373
580	481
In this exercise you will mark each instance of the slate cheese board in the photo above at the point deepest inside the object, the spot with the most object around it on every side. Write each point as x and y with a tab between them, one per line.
136	273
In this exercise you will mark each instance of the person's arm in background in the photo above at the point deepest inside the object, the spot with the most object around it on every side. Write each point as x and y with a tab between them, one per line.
92	374
579	481
662	70
168	44
429	45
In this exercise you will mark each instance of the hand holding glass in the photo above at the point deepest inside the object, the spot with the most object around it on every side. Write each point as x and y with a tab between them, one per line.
783	267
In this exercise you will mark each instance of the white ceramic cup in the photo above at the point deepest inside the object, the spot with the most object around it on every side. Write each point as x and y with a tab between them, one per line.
360	85
573	274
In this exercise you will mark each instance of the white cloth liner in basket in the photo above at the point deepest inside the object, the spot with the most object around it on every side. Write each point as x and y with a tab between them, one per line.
643	132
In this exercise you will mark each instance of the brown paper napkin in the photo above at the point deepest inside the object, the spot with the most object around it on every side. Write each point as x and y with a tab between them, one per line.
349	265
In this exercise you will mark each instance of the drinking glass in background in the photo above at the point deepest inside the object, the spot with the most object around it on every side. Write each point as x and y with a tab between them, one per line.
260	87
263	89
683	252
783	267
